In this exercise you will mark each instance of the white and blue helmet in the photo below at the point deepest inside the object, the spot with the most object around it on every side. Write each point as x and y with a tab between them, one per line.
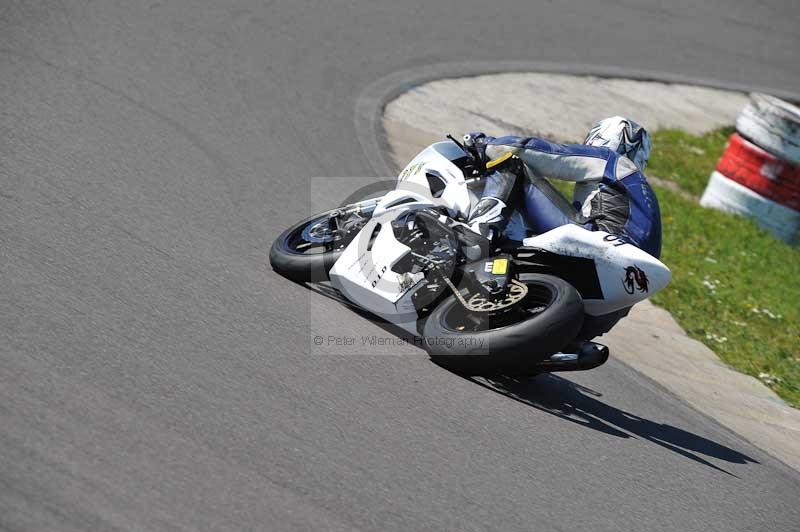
624	136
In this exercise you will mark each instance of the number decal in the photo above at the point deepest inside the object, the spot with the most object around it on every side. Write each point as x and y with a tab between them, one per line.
614	240
375	282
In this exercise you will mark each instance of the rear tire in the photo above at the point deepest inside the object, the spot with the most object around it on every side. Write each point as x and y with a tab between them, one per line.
513	348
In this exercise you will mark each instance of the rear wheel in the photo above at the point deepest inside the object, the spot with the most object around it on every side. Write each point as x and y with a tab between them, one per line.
511	340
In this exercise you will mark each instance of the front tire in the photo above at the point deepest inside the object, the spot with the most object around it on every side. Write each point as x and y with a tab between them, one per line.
301	264
550	317
306	251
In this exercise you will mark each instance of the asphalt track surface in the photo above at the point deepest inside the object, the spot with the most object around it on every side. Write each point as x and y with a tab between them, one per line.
155	374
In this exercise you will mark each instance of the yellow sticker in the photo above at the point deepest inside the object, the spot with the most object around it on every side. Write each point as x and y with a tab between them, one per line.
494	162
499	266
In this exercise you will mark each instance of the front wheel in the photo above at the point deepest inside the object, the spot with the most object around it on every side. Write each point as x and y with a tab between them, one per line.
547	319
306	251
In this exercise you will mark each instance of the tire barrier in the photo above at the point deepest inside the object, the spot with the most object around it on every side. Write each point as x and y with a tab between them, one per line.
758	174
773	125
727	195
761	172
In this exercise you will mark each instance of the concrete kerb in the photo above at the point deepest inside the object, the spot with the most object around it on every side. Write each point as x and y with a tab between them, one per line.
372	100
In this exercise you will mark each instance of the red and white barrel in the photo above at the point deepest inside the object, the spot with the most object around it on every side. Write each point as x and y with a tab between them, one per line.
758	174
761	172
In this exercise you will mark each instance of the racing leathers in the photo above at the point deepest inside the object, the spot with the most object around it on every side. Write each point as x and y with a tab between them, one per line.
611	192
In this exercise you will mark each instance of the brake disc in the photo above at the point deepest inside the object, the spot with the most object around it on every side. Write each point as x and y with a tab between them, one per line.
516	292
322	231
319	233
478	303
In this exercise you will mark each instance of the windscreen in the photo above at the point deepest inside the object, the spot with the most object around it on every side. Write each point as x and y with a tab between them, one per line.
450	150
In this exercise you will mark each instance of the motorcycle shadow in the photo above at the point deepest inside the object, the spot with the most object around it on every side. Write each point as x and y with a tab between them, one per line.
578	404
581	405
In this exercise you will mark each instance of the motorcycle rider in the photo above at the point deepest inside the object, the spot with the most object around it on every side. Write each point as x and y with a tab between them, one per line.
611	192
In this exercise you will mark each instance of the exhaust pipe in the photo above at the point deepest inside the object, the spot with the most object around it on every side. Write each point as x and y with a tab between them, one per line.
579	357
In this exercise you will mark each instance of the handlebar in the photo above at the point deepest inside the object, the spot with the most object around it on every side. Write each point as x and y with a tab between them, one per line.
476	164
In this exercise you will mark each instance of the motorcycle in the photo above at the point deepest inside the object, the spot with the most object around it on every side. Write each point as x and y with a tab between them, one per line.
528	303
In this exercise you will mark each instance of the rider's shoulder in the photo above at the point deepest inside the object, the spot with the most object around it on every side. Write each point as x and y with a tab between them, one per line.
624	167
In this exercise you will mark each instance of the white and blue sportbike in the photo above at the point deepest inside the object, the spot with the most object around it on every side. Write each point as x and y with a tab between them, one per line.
526	303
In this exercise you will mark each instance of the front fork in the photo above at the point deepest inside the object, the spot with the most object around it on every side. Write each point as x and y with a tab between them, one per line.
338	218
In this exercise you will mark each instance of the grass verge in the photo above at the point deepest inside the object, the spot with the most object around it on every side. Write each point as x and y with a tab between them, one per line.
685	159
735	287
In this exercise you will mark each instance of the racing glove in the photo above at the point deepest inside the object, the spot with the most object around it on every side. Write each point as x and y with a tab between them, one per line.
488	218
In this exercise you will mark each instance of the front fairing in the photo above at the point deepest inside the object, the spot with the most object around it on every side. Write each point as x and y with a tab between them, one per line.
433	178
